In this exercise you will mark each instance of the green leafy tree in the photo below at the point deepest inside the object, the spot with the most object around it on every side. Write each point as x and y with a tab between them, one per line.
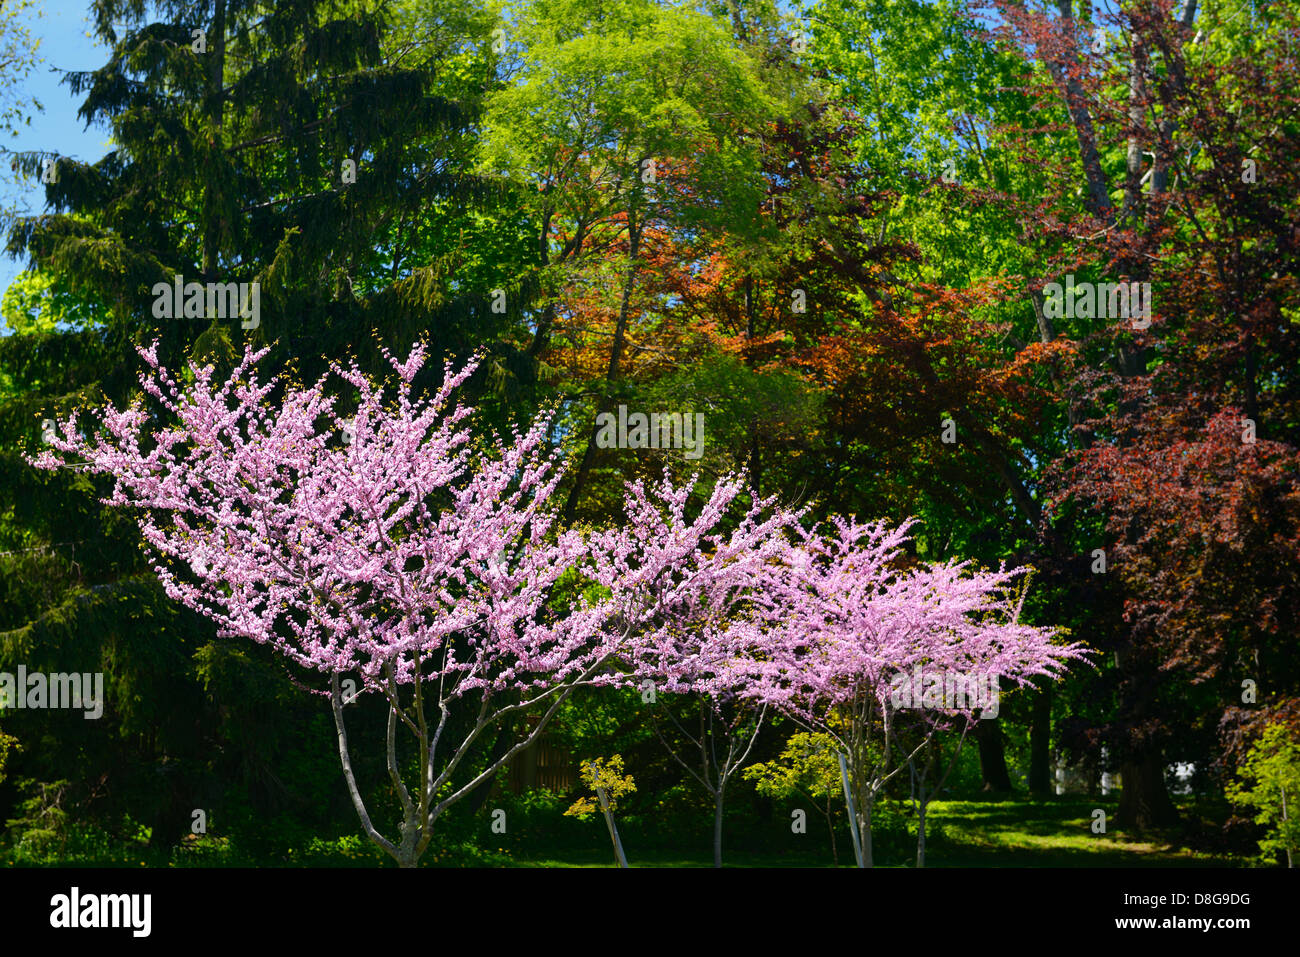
1270	783
18	57
807	767
624	118
608	782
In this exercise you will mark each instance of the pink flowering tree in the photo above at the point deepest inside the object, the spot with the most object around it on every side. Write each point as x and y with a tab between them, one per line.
390	554
708	600
854	622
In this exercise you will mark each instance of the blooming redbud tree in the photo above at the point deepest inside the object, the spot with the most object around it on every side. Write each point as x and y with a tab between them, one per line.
855	621
704	600
389	552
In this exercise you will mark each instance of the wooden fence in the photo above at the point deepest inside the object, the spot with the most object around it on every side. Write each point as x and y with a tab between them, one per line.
543	764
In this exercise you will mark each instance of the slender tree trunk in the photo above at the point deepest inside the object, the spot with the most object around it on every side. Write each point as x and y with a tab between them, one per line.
613	829
830	826
865	832
345	757
717	826
738	21
920	834
854	807
1163	149
1137	95
1076	102
1040	737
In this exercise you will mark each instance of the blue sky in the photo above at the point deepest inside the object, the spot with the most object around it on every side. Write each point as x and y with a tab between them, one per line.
62	27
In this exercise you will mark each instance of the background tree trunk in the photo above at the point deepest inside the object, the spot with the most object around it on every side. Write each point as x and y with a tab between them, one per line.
1143	799
993	757
1040	739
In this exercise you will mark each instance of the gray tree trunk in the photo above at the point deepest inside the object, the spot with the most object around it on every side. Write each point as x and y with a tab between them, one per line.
717	827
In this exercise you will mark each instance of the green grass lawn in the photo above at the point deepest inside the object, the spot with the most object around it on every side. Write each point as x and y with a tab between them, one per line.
1005	833
1054	832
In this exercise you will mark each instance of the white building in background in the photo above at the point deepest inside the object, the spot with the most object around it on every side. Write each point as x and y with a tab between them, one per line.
1071	778
1078	779
1081	778
1182	773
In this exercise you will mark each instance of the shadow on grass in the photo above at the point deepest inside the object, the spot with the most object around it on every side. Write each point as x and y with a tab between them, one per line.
1024	832
978	833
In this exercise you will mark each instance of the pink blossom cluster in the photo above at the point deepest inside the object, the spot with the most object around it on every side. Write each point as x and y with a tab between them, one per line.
414	546
406	548
408	543
854	615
